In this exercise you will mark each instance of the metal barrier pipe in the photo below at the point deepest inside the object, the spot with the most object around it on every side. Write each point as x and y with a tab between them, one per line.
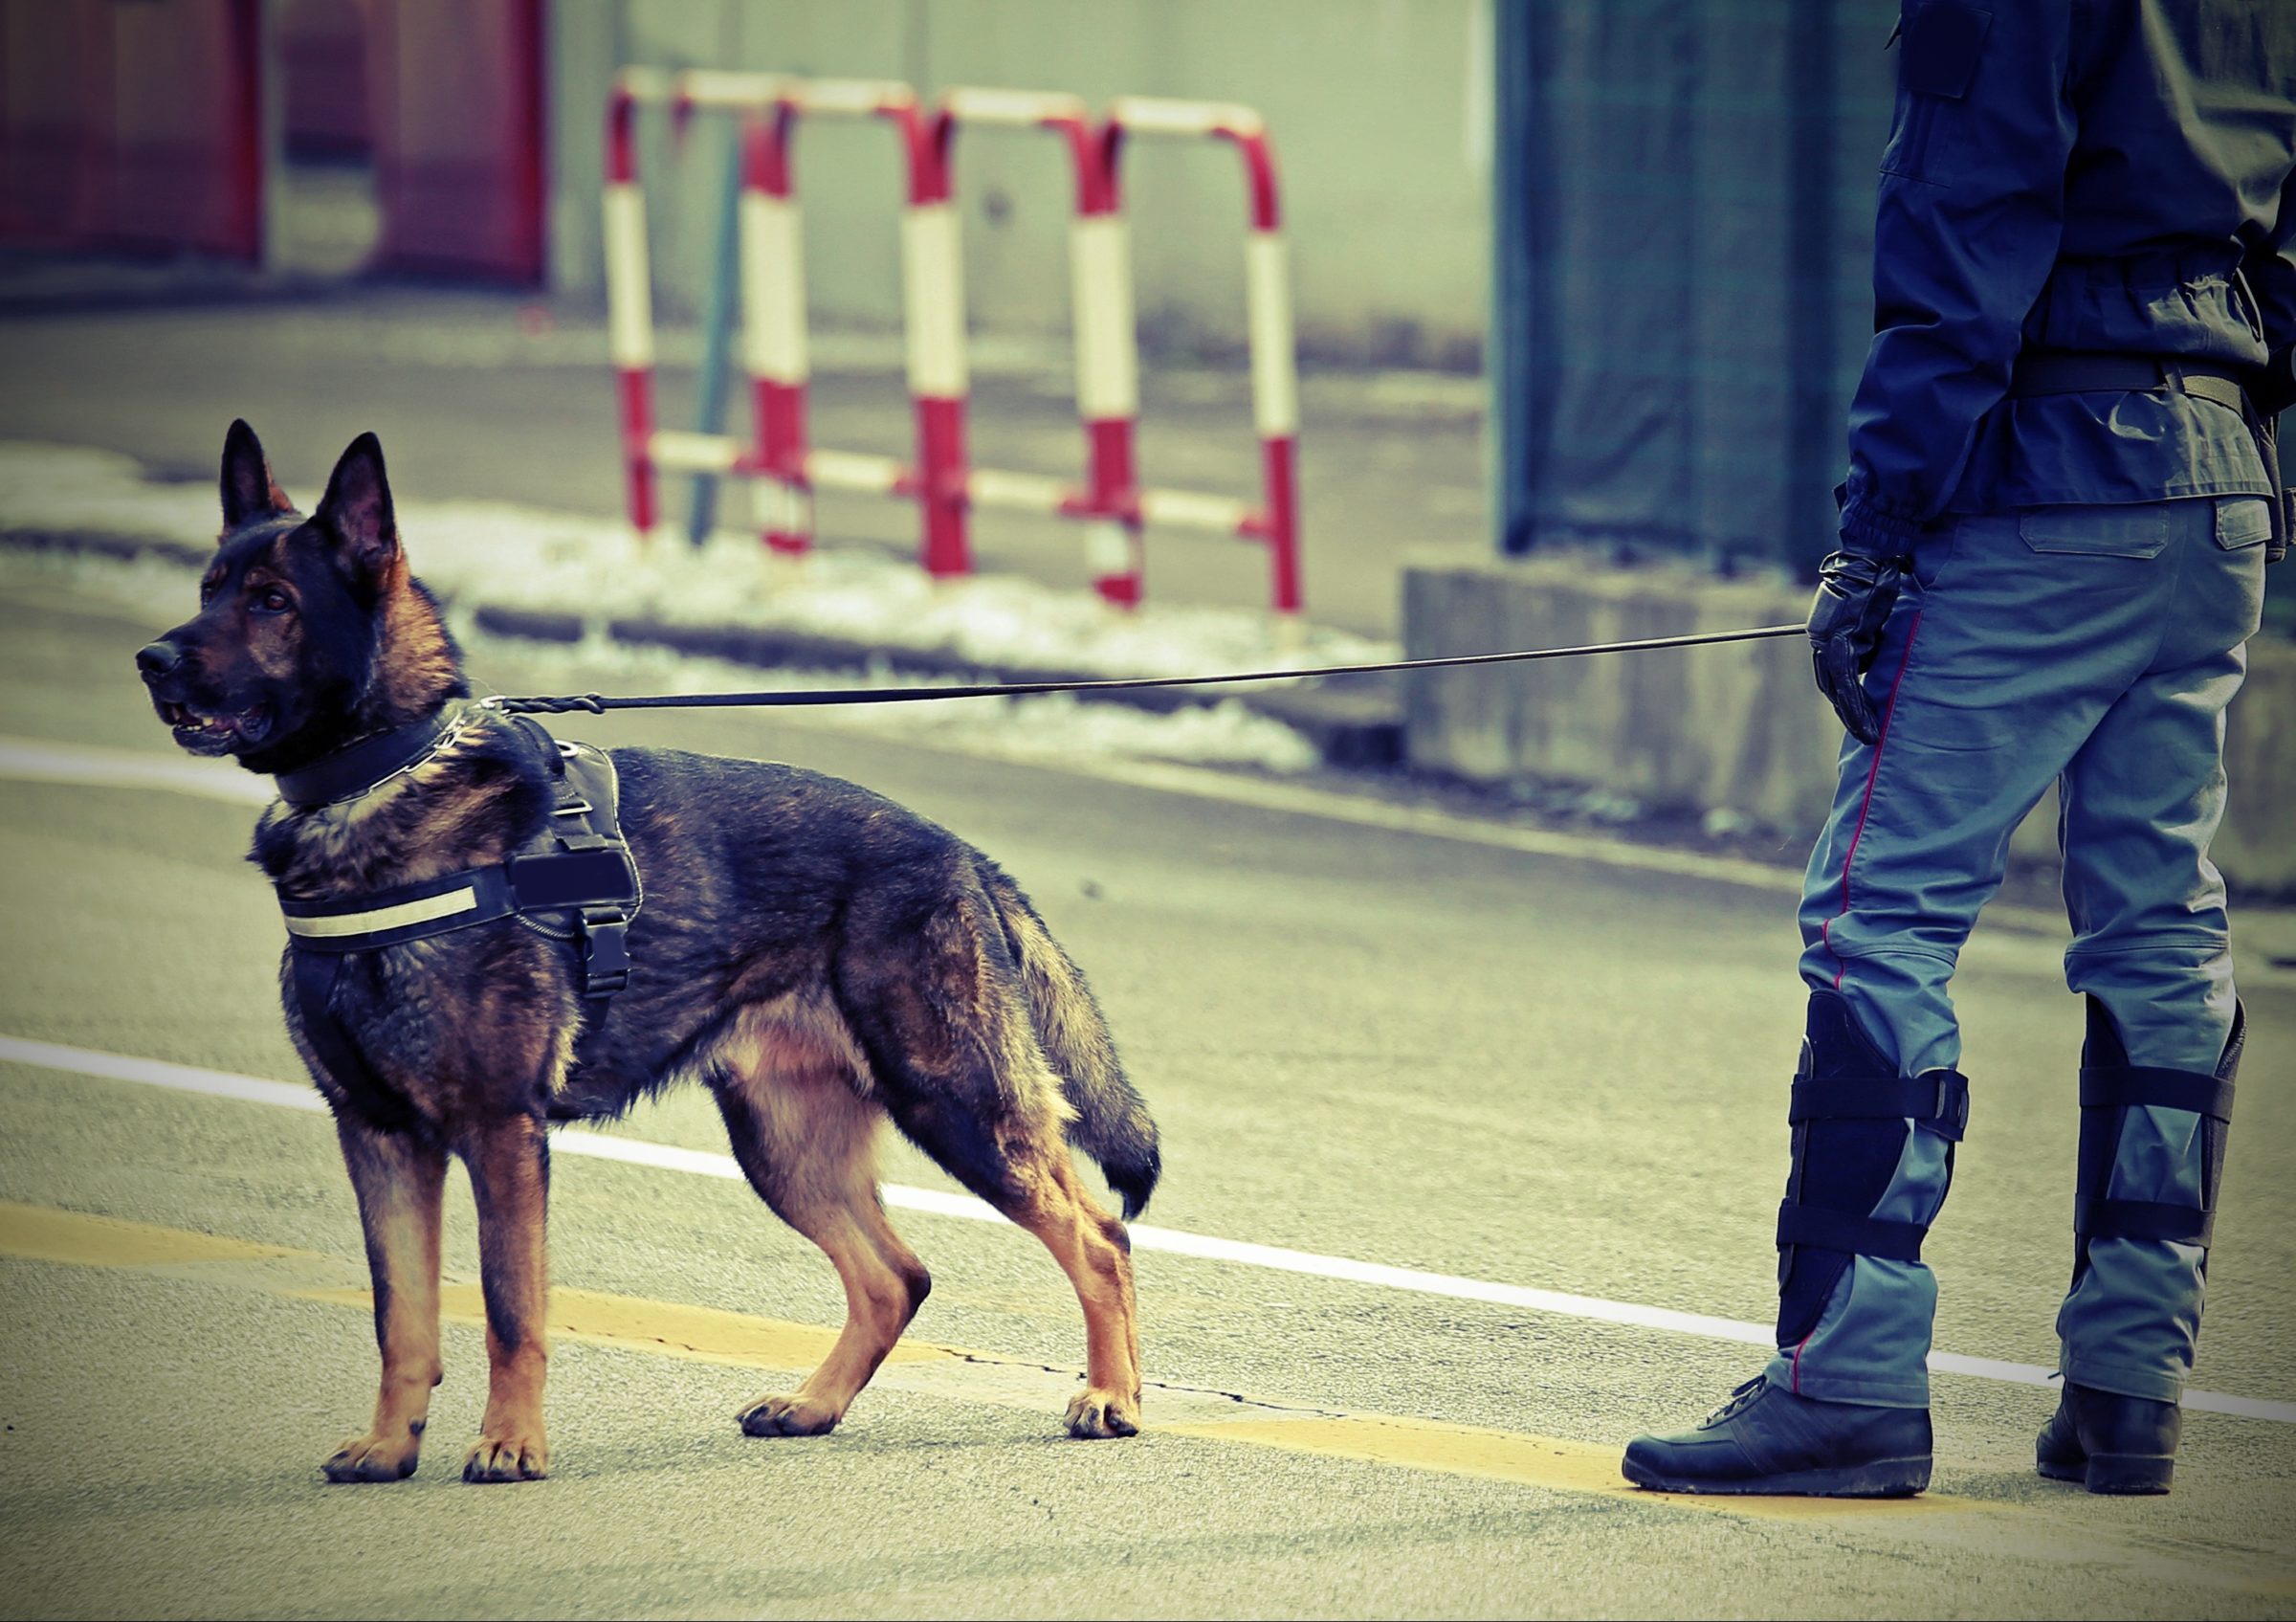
933	303
725	259
629	302
1108	395
1268	307
773	330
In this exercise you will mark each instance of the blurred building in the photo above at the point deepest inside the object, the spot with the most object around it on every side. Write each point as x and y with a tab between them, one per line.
157	125
1649	217
160	126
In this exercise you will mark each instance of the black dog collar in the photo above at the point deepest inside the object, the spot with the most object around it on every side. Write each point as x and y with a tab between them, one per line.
356	768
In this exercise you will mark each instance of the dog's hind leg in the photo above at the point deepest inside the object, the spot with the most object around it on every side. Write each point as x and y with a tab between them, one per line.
946	1029
1096	1252
398	1178
807	1141
1021	1167
509	1160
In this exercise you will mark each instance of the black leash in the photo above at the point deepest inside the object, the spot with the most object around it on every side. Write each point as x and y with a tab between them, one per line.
598	704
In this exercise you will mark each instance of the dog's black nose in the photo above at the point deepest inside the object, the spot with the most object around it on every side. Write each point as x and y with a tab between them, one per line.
156	659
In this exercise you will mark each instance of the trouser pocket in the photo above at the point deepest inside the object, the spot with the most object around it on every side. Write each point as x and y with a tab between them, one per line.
2243	520
2135	531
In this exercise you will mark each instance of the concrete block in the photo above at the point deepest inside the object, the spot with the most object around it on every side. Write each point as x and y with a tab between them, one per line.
1736	728
1691	729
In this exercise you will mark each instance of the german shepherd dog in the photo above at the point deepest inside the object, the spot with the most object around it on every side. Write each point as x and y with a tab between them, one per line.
817	956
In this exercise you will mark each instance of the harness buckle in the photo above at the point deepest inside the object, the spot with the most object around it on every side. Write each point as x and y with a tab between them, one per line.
605	951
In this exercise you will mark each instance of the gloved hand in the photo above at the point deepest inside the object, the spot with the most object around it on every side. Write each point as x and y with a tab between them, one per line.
1855	593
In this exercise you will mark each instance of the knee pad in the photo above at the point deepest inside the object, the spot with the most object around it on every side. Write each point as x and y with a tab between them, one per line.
1850	1113
2110	1086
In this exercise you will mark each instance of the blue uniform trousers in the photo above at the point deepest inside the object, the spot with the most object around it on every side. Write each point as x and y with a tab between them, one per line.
2096	647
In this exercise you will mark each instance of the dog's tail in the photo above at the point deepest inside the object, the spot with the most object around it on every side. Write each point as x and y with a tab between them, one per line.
1112	1122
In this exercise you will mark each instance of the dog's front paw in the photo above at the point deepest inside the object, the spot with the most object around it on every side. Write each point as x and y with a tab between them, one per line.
514	1456
790	1417
1097	1413
374	1457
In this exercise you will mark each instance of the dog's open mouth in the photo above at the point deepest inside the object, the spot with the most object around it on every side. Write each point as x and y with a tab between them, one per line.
206	732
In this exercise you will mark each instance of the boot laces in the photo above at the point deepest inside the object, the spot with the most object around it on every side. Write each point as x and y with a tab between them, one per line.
1738	1400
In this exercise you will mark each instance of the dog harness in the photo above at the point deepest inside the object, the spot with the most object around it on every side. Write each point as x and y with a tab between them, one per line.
574	882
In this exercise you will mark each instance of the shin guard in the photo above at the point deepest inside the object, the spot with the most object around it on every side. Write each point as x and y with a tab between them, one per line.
2110	1087
1850	1113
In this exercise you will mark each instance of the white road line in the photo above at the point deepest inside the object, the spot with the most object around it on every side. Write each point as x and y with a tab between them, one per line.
89	765
633	1152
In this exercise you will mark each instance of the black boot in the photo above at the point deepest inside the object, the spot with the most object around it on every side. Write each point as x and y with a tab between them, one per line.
2110	1442
1766	1439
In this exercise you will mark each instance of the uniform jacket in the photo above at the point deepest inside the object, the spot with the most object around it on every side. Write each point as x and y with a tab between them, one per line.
2093	176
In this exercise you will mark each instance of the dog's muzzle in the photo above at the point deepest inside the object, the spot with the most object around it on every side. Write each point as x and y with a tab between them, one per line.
204	729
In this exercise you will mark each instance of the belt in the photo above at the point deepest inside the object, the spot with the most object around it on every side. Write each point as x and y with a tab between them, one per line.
2047	374
2043	372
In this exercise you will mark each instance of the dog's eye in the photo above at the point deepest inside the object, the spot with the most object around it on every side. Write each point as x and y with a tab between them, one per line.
271	600
206	590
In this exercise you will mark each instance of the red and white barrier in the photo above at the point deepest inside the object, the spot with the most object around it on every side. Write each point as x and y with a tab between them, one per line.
933	312
630	299
1268	312
1108	394
773	330
787	470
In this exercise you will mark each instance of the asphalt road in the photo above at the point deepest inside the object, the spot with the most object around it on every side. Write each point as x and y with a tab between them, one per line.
1361	1044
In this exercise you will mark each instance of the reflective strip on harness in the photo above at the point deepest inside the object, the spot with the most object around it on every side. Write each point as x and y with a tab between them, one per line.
373	921
548	883
575	880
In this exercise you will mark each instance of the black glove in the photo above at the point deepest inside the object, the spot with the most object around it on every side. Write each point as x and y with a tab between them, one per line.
1855	593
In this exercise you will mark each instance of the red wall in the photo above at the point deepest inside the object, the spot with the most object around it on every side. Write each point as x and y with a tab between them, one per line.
457	95
132	126
139	126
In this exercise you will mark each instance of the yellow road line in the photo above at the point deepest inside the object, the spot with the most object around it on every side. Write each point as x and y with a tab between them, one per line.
709	1335
41	1233
698	1334
703	1334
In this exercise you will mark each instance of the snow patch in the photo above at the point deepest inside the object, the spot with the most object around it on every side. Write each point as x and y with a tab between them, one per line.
1043	727
500	554
157	590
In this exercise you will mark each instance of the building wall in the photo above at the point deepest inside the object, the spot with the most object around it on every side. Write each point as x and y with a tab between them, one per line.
1378	109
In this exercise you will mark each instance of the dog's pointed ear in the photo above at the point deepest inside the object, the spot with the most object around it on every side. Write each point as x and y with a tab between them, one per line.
248	491
357	516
